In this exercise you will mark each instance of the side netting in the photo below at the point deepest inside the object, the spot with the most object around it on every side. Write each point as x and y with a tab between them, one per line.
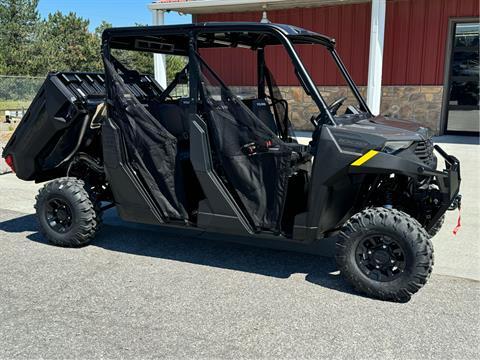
279	107
252	159
151	149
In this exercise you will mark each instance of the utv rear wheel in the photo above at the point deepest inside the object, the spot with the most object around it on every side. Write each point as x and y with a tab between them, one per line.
66	214
385	254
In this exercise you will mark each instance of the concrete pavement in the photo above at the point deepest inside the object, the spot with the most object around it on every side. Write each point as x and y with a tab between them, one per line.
460	255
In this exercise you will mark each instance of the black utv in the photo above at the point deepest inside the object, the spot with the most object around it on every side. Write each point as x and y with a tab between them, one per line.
202	154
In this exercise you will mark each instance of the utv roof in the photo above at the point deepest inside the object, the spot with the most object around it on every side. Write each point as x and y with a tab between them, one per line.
218	35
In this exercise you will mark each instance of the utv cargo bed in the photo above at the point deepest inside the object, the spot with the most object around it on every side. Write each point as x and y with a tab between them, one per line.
67	106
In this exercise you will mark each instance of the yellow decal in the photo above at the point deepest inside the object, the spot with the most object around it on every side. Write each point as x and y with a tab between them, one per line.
364	158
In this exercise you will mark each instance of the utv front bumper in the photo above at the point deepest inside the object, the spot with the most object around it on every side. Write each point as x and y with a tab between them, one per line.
449	185
448	179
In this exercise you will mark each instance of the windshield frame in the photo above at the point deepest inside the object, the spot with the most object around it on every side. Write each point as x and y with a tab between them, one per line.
330	46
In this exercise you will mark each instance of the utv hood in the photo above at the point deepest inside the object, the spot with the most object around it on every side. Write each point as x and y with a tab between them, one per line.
392	129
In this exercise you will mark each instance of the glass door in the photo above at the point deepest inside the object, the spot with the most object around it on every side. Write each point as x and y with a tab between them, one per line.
463	103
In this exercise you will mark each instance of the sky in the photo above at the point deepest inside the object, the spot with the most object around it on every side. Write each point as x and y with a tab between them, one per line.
116	12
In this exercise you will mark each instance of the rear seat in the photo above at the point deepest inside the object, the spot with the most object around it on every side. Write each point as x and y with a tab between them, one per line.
261	109
174	118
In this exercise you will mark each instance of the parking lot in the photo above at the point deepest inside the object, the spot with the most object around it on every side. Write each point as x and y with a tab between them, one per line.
144	292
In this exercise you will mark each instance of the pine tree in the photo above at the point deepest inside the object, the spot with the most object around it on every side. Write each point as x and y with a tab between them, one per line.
67	45
19	21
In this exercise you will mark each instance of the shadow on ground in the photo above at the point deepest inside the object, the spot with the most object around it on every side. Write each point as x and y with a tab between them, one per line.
203	249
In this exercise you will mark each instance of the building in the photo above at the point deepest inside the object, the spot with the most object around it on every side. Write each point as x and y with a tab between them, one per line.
412	59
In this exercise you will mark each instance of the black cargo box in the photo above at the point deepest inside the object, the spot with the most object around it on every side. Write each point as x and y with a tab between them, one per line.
53	126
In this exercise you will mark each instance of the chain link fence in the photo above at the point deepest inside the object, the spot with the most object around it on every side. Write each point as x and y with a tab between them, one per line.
16	94
180	91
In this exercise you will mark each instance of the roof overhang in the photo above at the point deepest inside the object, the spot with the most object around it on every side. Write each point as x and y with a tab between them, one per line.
222	6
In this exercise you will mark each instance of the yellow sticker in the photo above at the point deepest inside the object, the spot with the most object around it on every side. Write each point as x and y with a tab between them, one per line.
364	158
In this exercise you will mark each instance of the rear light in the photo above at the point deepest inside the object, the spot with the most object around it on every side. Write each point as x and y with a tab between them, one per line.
9	161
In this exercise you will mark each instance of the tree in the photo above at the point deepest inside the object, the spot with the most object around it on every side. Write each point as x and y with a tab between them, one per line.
67	45
19	21
174	64
62	42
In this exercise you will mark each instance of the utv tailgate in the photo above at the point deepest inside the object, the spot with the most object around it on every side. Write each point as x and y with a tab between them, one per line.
55	122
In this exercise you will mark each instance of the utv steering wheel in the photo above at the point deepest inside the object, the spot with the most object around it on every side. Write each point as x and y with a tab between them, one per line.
333	107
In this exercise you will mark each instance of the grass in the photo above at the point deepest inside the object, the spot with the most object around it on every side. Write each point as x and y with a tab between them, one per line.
12	105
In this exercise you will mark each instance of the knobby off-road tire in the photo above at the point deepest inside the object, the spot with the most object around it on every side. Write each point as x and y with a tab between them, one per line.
385	253
436	228
66	213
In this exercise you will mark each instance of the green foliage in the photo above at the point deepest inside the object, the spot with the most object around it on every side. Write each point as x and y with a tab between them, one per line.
62	42
18	89
13	104
135	60
68	45
18	36
174	64
100	28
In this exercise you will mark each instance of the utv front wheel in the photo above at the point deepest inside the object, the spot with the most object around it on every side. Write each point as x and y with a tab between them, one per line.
65	213
385	254
436	228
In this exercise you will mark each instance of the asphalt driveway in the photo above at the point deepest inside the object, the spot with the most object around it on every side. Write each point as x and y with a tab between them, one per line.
144	292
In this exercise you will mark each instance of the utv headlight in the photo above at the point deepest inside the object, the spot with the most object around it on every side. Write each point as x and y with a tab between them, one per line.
392	147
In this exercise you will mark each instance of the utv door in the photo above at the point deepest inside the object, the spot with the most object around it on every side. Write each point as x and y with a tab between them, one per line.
251	160
140	157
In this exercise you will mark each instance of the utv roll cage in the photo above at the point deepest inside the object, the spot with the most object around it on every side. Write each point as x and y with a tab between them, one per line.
189	40
255	36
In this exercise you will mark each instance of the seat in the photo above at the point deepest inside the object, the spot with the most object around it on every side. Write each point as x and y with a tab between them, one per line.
261	109
173	118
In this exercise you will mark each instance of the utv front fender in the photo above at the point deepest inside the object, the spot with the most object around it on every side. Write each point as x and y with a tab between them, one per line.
448	180
375	162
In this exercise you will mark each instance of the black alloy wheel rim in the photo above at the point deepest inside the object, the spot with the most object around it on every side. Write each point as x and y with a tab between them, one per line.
59	215
380	257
